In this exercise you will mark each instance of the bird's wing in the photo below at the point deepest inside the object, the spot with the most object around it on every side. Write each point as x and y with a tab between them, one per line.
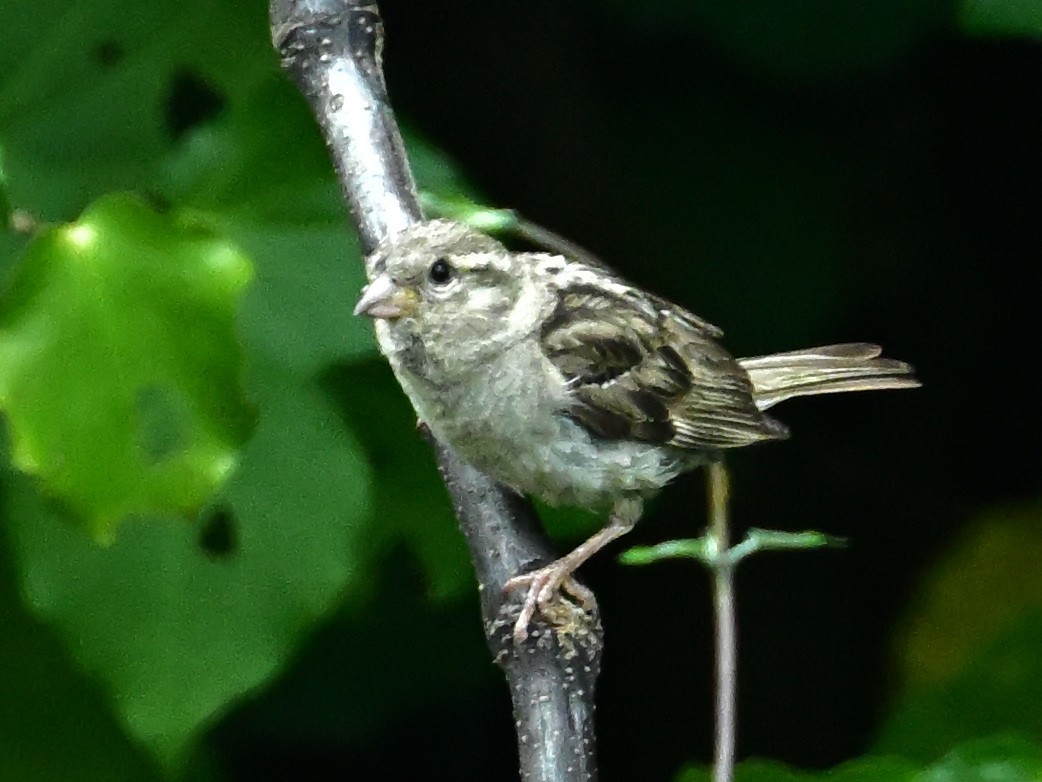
643	369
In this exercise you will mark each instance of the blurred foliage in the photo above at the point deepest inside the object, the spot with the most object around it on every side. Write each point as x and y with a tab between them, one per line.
55	723
1001	17
992	760
999	690
969	654
986	580
133	309
176	340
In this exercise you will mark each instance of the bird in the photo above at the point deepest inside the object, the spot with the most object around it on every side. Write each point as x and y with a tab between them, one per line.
563	381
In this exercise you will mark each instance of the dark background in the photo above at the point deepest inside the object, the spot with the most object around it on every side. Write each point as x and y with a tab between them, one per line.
797	175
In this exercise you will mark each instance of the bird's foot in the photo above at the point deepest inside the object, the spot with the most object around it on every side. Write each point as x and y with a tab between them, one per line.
545	587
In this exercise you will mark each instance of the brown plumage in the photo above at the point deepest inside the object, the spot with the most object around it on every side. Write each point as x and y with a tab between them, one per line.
643	369
563	381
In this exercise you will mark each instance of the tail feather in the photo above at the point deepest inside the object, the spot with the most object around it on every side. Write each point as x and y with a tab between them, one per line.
855	366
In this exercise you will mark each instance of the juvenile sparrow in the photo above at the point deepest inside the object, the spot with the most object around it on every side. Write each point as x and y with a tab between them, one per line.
561	380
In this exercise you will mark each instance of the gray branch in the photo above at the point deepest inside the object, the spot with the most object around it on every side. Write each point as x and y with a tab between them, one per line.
332	50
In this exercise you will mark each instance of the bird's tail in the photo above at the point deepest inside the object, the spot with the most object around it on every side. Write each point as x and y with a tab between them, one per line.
854	366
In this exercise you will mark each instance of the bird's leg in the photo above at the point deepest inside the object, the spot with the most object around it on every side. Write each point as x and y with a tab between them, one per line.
546	583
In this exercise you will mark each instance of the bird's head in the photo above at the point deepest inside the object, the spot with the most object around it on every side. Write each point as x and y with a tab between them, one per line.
460	293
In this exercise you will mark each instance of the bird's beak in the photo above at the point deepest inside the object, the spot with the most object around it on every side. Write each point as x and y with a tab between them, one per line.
382	298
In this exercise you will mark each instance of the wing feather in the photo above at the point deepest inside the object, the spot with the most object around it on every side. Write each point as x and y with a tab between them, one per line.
643	369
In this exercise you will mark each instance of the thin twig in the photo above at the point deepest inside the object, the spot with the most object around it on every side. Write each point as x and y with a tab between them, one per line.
722	567
549	240
332	50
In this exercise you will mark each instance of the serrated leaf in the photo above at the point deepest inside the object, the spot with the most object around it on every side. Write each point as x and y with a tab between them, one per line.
262	173
119	364
175	630
297	314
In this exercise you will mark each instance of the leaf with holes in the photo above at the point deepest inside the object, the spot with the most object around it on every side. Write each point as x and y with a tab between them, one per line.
119	365
261	172
179	621
131	77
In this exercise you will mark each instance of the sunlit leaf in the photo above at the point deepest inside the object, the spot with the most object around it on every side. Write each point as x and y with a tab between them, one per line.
176	629
262	173
119	365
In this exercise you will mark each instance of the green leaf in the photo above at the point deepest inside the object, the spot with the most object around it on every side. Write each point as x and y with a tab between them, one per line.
988	578
261	173
999	690
862	770
968	654
99	117
411	504
177	628
998	759
373	666
1001	17
119	366
1002	759
54	724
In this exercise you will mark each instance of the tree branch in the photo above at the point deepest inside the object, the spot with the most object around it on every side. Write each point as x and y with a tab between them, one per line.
332	50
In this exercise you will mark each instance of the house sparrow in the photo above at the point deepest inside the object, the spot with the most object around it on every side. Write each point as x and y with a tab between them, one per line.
564	381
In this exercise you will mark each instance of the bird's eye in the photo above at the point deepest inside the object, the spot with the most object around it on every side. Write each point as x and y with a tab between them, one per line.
440	272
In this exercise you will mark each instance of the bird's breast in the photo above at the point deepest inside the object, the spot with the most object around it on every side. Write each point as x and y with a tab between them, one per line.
513	424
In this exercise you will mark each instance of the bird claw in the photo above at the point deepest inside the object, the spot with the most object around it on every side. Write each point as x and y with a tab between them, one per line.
545	587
